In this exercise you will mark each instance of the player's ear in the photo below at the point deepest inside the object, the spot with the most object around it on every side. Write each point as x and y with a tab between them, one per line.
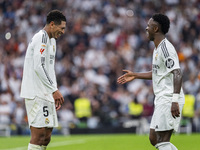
156	28
51	24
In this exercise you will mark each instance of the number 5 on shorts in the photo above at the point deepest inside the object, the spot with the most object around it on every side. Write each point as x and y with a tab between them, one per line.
45	110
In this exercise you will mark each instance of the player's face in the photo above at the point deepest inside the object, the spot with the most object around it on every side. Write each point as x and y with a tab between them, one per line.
58	30
150	29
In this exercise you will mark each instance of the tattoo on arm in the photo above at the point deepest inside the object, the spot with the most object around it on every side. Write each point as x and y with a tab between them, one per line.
177	80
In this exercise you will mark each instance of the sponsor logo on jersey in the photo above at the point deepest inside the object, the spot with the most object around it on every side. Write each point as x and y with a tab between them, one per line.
155	68
51	59
52	56
169	63
42	50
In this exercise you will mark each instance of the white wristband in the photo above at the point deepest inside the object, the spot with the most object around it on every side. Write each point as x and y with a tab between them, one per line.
175	97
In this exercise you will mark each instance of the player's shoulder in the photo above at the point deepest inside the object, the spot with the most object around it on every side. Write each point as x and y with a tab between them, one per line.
167	47
41	36
168	43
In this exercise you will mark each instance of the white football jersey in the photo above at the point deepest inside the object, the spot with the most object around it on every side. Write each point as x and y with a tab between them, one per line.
39	77
165	59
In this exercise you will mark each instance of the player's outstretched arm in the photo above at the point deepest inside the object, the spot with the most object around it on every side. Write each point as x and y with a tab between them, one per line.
129	76
59	100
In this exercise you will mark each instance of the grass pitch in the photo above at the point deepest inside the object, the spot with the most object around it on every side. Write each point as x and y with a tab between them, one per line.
101	142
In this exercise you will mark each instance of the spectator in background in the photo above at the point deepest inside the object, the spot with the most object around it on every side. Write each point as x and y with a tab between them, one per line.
5	112
5	116
192	85
197	113
135	109
66	117
83	110
19	117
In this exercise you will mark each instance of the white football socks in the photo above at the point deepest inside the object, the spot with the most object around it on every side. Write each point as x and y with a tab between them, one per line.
173	147
34	147
164	146
43	147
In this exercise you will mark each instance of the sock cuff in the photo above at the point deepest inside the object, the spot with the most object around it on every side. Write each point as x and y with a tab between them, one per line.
33	146
44	147
160	144
173	147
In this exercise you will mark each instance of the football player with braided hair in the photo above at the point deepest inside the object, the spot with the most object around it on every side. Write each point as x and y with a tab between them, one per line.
166	78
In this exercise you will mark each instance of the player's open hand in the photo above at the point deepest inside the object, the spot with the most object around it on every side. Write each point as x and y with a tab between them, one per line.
127	77
175	110
59	100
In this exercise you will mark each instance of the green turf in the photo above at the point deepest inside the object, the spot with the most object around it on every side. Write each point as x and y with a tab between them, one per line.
101	142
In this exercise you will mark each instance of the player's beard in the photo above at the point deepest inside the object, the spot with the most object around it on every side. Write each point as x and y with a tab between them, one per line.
150	37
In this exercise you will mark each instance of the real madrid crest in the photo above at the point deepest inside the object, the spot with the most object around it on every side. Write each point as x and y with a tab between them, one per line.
53	48
156	56
47	121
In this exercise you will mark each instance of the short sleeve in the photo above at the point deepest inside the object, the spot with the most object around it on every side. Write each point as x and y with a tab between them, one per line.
170	57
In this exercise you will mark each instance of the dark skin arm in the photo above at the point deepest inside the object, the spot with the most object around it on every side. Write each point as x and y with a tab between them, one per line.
177	88
129	76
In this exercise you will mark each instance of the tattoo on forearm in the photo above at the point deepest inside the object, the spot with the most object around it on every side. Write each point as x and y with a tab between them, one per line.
177	80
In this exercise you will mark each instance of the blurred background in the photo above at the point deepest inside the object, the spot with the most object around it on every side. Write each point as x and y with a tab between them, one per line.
102	38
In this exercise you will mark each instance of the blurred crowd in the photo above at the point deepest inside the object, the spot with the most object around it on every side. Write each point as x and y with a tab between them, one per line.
102	38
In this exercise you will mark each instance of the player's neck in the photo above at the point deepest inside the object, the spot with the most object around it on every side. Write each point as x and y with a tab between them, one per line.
158	39
47	29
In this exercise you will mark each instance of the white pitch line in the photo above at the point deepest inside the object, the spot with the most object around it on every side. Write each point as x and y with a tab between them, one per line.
62	143
54	144
18	148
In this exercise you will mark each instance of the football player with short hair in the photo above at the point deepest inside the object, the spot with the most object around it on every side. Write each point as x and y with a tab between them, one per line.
167	80
39	85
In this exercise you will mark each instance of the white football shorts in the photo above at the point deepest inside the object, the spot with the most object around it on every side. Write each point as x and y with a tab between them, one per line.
41	113
162	119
